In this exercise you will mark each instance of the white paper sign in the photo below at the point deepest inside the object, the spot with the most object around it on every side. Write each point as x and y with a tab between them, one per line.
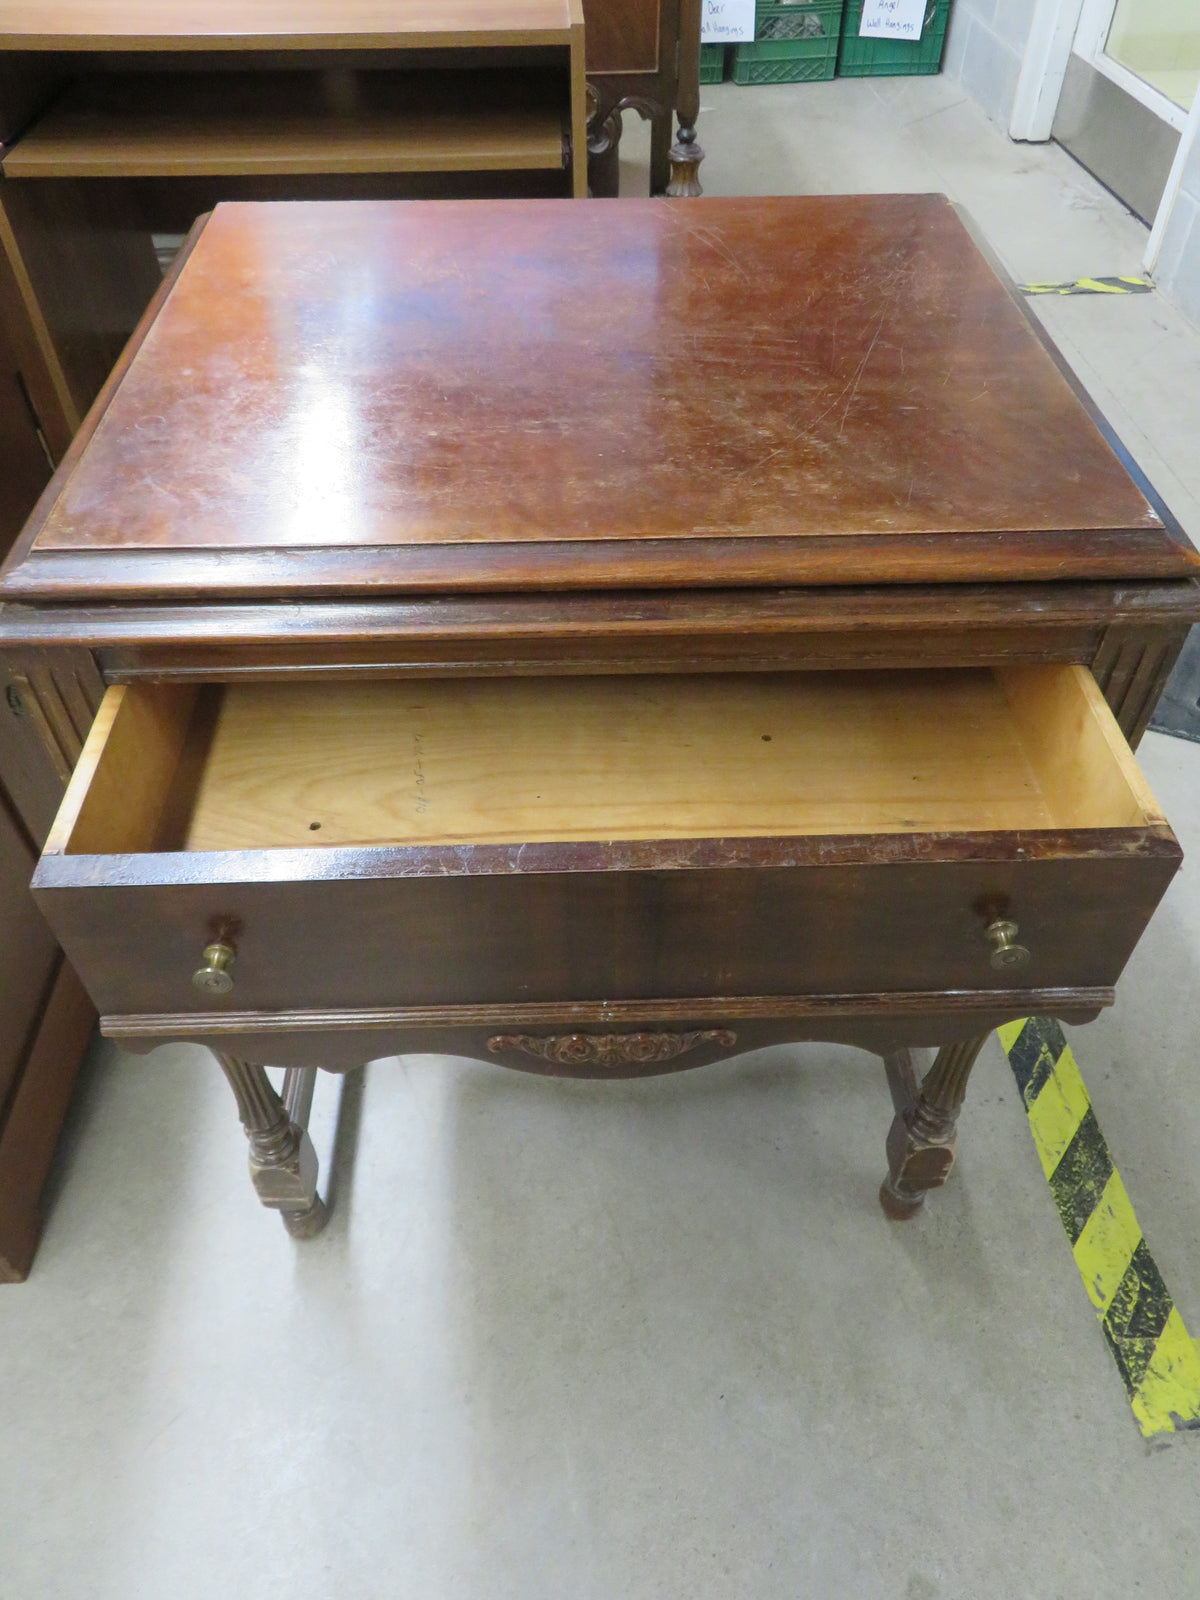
892	19
727	21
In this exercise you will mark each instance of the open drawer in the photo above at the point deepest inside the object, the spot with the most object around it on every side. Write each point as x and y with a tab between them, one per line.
480	841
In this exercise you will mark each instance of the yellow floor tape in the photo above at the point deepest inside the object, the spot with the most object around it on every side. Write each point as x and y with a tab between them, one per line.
1158	1362
1121	285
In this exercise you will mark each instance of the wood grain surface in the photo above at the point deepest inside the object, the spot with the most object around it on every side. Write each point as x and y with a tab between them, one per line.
750	392
183	846
29	1132
692	631
28	953
622	35
343	1040
455	925
286	123
205	24
613	758
522	760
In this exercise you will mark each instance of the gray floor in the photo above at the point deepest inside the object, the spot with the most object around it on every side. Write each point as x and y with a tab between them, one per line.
572	1342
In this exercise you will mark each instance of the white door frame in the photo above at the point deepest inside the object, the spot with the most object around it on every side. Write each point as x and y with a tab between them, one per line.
1043	68
1047	52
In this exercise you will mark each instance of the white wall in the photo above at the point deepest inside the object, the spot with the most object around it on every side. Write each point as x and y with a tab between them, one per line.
1177	269
984	47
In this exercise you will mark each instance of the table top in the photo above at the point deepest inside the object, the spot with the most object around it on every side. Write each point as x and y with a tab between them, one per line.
259	24
389	398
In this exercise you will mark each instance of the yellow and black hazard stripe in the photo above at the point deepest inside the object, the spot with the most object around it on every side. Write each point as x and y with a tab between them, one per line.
1117	285
1158	1362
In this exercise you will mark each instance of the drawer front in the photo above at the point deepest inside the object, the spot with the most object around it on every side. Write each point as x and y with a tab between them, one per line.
448	938
781	835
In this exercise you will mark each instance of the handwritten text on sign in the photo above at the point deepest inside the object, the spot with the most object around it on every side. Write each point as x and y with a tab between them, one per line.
727	21
892	19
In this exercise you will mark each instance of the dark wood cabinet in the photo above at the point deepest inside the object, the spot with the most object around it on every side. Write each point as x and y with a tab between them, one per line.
644	56
24	448
46	1021
46	1018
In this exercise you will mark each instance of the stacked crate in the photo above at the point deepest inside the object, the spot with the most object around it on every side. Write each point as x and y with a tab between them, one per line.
712	63
886	58
792	43
809	40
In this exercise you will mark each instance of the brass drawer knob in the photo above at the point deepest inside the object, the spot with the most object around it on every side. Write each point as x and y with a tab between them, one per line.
1006	952
215	977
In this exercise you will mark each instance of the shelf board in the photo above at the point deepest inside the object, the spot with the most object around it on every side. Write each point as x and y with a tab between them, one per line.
295	123
279	24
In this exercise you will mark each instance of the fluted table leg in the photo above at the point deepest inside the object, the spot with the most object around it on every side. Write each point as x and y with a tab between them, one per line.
283	1163
685	154
921	1141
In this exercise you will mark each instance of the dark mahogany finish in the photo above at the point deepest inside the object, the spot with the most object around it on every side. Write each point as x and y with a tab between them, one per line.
46	1020
473	440
508	925
498	398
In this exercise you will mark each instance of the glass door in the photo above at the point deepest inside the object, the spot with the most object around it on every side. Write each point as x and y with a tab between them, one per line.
1131	80
1159	42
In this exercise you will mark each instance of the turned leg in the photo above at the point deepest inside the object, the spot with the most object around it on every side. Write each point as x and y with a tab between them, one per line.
686	154
921	1141
283	1163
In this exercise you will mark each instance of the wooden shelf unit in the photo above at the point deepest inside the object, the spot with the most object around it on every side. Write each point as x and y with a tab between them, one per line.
241	124
464	97
194	25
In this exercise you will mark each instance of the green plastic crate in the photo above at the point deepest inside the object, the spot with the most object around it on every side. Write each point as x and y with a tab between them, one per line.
712	63
892	58
792	43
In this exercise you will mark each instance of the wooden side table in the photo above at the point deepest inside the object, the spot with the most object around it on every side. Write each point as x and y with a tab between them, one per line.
513	662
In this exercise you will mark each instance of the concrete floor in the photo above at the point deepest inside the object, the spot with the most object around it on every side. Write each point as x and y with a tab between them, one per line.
579	1342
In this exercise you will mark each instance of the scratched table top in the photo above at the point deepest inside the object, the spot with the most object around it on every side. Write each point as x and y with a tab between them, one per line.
392	397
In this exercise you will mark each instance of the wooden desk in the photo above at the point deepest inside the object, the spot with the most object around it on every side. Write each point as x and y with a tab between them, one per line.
597	641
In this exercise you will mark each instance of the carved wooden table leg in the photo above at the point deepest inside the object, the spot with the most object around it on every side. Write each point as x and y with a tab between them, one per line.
283	1163
686	154
921	1141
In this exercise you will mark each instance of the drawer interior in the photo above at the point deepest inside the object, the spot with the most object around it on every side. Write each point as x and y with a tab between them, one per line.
307	764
